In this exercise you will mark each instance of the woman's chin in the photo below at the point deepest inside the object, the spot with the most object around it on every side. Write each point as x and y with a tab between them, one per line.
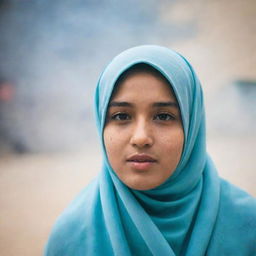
142	185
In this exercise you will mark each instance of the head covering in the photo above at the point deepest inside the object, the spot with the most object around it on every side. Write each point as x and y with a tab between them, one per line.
182	216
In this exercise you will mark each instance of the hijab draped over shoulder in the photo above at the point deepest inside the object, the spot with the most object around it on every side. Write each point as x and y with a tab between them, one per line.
193	213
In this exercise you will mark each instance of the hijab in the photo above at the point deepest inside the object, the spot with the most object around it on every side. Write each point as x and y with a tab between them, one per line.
194	212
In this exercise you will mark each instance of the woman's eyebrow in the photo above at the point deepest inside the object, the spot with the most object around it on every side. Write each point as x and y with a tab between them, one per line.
166	104
120	104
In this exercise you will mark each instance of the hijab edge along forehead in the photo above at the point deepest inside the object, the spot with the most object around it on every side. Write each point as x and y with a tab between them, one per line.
182	81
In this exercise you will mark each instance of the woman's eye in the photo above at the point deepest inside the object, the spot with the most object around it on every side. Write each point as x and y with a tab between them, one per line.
164	117
120	117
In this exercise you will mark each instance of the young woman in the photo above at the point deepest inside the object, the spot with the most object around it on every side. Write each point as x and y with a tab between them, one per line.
158	192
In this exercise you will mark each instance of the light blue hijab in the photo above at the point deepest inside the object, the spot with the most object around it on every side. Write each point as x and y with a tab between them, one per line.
193	213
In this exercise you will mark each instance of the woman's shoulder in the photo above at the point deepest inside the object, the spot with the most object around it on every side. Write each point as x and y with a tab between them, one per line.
81	203
238	208
235	227
236	200
71	223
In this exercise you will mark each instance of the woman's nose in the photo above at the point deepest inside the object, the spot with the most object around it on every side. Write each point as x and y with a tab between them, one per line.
141	135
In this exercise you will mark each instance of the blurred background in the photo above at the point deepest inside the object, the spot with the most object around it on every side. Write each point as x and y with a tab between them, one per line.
51	55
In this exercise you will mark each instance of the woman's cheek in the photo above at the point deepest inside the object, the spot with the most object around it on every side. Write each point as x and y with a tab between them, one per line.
173	144
112	145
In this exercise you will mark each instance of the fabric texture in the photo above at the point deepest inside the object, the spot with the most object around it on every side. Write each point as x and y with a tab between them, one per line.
193	213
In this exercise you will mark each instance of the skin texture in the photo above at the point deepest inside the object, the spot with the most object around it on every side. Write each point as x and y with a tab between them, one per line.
137	124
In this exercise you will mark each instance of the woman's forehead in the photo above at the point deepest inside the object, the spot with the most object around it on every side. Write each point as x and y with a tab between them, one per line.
143	86
136	78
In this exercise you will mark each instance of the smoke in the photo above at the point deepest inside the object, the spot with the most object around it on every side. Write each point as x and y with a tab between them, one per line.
232	110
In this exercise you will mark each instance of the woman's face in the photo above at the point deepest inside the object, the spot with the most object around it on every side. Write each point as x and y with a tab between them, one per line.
143	134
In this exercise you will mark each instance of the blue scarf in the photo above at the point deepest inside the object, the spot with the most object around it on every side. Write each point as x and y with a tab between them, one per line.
192	213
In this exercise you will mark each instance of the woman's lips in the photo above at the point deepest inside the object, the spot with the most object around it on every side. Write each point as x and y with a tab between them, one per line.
141	161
